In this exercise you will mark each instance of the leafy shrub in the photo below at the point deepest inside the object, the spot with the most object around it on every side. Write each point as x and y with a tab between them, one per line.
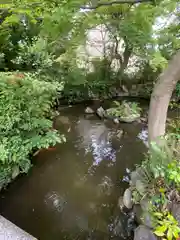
33	56
160	172
160	178
166	225
25	104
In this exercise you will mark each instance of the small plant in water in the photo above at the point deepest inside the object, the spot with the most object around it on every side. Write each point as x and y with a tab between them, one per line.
125	109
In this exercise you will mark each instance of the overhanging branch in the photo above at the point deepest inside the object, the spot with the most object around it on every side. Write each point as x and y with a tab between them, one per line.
101	4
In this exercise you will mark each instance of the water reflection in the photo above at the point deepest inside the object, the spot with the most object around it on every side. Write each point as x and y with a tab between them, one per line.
95	139
143	135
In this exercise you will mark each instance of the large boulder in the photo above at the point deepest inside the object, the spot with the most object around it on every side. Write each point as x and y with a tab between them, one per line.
142	216
101	112
140	187
124	112
144	233
127	198
89	110
136	175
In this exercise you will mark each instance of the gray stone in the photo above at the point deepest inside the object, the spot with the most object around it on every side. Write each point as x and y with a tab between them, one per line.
138	213
145	204
140	187
136	175
127	198
9	231
146	217
116	120
142	217
100	112
144	233
176	212
89	110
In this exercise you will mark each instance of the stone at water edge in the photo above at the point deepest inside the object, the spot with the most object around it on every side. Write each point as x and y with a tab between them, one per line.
136	175
100	112
127	199
146	216
142	217
144	233
140	187
116	120
89	110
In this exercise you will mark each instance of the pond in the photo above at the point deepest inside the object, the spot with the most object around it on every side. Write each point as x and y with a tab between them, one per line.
73	189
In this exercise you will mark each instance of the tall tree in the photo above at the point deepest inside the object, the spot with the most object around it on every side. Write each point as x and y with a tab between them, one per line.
161	96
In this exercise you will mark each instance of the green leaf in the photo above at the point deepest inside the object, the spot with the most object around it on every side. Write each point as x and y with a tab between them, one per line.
159	234
161	228
169	234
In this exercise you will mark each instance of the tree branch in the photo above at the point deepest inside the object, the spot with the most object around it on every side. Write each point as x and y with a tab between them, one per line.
114	2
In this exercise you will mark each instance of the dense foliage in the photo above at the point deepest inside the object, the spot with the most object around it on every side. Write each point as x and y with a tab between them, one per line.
159	176
25	125
56	34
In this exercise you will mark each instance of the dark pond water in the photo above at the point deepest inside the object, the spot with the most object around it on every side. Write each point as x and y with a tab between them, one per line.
72	192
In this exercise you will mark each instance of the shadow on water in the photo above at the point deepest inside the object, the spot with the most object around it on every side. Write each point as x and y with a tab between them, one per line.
72	192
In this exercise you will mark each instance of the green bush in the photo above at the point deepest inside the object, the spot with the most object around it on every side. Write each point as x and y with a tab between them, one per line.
25	106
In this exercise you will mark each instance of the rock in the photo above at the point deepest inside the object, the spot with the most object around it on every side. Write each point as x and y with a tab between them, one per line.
142	217
89	110
127	198
119	133
100	112
145	204
146	217
144	233
15	172
116	120
176	212
140	187
136	175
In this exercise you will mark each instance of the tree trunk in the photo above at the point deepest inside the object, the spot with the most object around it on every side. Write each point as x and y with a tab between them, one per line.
160	98
124	63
